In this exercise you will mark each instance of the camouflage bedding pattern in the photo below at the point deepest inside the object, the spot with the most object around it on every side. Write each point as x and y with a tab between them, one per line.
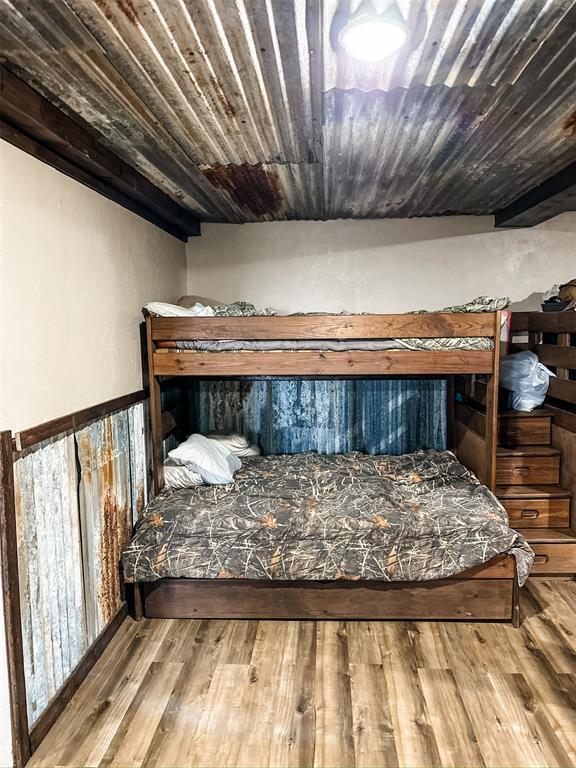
309	516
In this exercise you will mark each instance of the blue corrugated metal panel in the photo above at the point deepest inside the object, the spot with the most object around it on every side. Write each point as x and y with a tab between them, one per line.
337	416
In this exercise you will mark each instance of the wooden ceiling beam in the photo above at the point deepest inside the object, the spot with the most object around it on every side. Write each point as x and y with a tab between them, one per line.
32	123
554	196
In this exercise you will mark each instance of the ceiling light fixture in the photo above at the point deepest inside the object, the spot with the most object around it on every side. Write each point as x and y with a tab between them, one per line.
372	37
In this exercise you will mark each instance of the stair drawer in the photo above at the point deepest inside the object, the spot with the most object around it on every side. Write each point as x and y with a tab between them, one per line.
525	431
538	513
527	470
554	558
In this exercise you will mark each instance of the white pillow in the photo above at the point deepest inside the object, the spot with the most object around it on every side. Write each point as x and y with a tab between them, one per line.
180	475
211	460
162	309
236	444
252	450
231	440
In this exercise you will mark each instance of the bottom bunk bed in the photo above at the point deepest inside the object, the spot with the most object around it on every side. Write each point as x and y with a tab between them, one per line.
349	536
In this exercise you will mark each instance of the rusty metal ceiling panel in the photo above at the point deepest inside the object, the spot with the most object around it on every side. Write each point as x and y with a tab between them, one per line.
248	111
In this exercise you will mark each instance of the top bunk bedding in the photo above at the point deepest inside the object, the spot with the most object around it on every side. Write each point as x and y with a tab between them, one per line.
316	335
333	345
420	516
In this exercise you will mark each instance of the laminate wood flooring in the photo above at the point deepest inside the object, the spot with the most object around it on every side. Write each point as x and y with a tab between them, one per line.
213	693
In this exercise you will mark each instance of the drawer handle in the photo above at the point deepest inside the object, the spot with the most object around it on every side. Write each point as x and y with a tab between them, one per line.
521	471
541	559
530	513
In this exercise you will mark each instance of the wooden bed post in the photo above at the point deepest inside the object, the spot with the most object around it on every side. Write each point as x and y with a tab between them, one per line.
515	600
138	606
450	405
11	598
155	413
492	388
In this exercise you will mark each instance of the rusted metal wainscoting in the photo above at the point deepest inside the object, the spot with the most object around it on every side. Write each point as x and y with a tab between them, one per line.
78	489
112	494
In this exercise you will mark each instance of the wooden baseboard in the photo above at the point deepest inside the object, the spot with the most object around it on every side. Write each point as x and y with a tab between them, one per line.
57	705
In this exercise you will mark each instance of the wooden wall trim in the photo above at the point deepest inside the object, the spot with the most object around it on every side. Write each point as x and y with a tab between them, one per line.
31	123
11	599
57	705
73	421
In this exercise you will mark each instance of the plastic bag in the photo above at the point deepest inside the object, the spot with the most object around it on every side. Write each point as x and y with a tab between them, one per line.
525	376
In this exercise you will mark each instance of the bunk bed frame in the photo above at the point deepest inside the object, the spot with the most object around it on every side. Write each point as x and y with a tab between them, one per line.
488	592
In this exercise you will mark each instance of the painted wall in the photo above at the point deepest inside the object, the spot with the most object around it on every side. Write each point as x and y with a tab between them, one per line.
379	266
75	269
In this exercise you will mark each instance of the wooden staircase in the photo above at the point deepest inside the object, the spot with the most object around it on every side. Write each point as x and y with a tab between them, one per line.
528	485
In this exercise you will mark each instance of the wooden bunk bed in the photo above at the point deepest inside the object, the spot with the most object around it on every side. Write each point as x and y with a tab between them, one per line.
487	592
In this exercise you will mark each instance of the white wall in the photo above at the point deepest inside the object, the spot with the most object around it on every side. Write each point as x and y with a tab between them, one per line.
75	270
379	266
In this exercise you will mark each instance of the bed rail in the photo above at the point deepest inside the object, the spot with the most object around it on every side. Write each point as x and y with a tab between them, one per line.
427	325
393	362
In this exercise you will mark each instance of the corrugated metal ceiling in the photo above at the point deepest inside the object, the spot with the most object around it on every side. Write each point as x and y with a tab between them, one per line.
244	111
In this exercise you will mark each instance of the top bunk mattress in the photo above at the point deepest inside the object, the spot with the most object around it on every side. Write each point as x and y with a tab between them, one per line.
479	343
415	517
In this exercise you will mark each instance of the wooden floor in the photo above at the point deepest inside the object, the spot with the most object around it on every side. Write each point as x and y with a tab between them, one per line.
233	693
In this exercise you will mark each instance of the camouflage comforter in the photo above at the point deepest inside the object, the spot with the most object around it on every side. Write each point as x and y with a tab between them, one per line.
309	516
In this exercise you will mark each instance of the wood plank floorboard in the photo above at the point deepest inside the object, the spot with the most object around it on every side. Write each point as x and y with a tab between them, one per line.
225	694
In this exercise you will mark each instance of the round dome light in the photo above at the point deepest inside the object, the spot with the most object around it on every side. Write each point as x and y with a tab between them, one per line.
372	38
